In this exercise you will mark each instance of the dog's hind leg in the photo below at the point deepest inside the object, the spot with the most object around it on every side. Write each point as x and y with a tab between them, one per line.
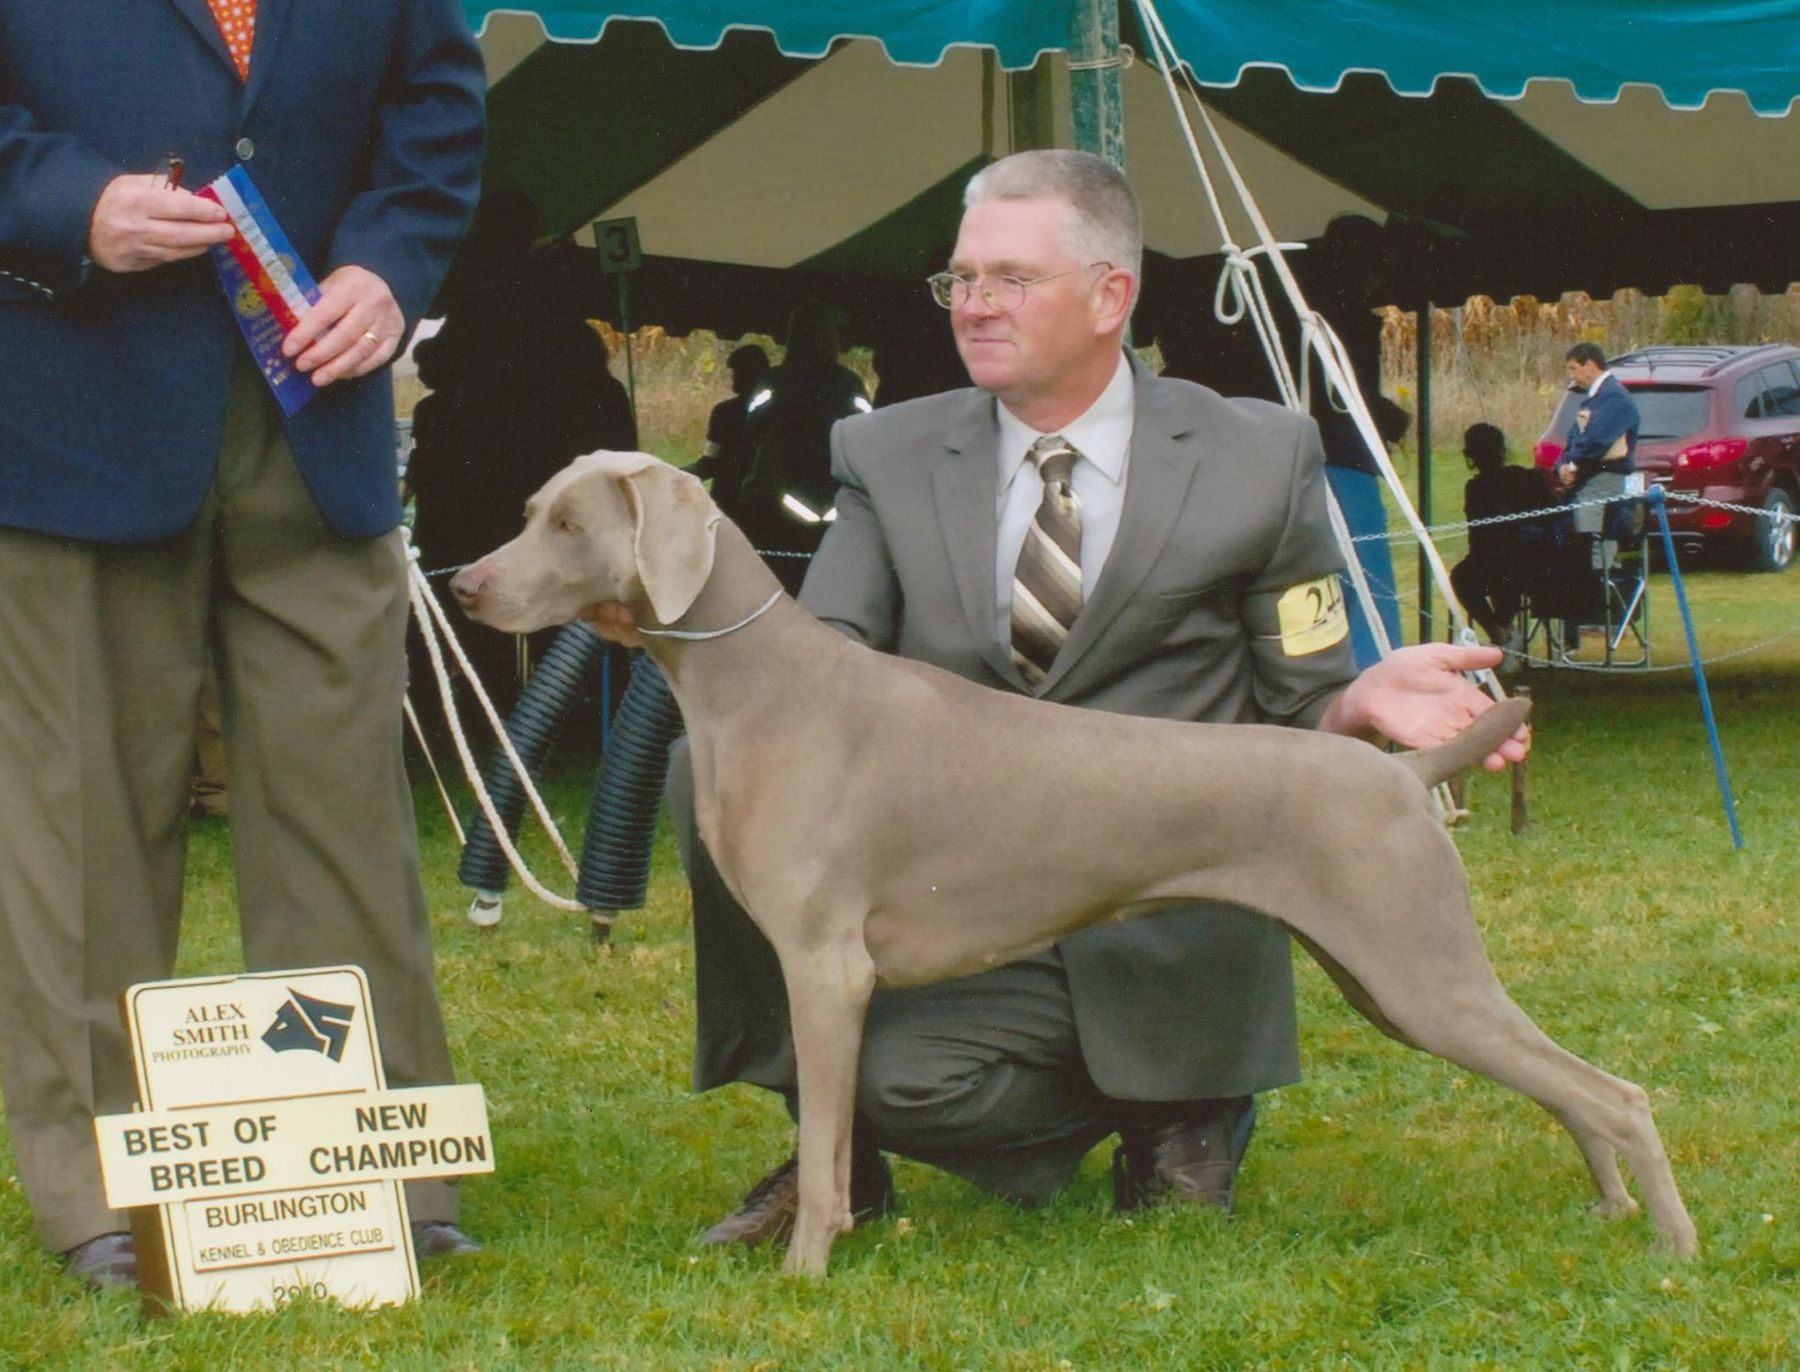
1607	1117
1462	1014
1602	1161
828	995
1416	968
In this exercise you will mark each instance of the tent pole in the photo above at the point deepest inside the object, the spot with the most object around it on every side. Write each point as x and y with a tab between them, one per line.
1424	431
1031	111
1096	94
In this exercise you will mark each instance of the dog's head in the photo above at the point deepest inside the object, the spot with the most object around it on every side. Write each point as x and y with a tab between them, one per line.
610	529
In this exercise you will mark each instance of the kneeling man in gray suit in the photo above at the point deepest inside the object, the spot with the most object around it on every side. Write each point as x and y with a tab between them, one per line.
1078	529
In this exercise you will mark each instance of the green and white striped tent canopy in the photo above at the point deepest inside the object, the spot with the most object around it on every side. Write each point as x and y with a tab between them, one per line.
1544	146
1685	48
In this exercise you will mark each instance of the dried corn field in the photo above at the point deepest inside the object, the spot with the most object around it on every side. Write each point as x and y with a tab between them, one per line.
1502	362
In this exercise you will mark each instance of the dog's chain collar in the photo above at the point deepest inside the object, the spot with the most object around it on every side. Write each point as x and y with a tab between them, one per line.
701	635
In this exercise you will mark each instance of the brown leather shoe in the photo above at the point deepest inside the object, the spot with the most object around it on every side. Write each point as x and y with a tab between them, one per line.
767	1213
1194	1161
106	1260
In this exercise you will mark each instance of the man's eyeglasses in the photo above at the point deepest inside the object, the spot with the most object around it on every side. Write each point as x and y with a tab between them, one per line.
1002	293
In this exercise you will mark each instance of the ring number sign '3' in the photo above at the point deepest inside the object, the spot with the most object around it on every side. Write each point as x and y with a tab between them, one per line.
617	241
268	1157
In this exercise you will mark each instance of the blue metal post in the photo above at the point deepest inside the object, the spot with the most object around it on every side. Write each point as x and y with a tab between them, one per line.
1655	497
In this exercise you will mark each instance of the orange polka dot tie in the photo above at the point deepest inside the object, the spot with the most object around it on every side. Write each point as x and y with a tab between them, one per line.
237	22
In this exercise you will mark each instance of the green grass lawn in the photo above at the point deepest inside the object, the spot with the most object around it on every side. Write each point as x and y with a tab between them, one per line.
1394	1212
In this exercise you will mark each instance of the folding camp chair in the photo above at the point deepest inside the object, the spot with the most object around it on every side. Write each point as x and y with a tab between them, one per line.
1599	583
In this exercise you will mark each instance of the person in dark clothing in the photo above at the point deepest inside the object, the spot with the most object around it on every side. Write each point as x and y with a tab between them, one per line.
724	459
1491	580
786	497
1598	456
1347	276
520	386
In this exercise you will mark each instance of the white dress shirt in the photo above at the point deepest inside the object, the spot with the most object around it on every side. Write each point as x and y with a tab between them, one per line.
1102	435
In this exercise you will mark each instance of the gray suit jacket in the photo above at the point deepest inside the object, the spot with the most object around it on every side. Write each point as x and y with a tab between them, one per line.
1225	512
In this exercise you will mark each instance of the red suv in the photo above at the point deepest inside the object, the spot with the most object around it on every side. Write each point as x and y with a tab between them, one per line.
1722	423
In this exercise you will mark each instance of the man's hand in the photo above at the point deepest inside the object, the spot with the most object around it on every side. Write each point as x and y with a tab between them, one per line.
1419	697
139	223
353	329
1566	473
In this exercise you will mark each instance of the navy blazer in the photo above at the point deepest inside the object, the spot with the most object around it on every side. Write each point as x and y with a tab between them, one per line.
361	124
1604	434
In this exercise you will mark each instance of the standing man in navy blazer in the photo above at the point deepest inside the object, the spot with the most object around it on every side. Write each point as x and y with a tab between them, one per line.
1602	443
153	499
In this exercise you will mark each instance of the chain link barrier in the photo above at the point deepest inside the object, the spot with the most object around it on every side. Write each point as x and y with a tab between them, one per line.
1557	511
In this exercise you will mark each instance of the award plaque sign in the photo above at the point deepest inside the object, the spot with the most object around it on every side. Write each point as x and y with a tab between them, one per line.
268	1157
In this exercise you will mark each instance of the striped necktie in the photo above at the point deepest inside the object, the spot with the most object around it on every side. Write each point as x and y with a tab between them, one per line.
237	26
1046	590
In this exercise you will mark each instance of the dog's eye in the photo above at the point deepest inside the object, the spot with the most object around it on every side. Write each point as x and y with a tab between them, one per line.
564	525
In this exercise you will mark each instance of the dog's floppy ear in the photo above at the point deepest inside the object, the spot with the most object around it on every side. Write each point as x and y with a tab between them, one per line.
674	529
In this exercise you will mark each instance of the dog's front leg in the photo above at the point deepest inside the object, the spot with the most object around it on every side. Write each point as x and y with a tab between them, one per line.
828	993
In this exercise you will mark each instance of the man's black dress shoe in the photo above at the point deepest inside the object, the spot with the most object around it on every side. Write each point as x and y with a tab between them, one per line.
767	1213
106	1261
1186	1159
440	1239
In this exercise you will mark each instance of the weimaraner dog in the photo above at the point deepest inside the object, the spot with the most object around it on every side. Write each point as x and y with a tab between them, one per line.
885	821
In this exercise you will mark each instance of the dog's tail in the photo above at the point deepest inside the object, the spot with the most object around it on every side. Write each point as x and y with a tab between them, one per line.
1489	730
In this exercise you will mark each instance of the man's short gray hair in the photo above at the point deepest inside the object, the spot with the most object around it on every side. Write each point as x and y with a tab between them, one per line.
1105	224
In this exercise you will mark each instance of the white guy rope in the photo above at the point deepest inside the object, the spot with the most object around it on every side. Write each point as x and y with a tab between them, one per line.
412	718
1318	339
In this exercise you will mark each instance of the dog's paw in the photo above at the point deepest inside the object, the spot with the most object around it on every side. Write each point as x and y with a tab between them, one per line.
1622	1209
1683	1243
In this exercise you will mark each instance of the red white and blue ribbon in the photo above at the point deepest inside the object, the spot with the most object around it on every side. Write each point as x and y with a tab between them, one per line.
266	283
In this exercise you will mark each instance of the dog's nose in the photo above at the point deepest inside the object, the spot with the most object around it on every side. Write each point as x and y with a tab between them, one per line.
466	585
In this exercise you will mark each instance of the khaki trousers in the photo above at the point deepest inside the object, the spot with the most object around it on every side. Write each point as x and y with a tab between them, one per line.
102	649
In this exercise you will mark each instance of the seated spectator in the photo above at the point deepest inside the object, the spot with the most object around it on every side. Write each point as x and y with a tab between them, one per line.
1491	581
